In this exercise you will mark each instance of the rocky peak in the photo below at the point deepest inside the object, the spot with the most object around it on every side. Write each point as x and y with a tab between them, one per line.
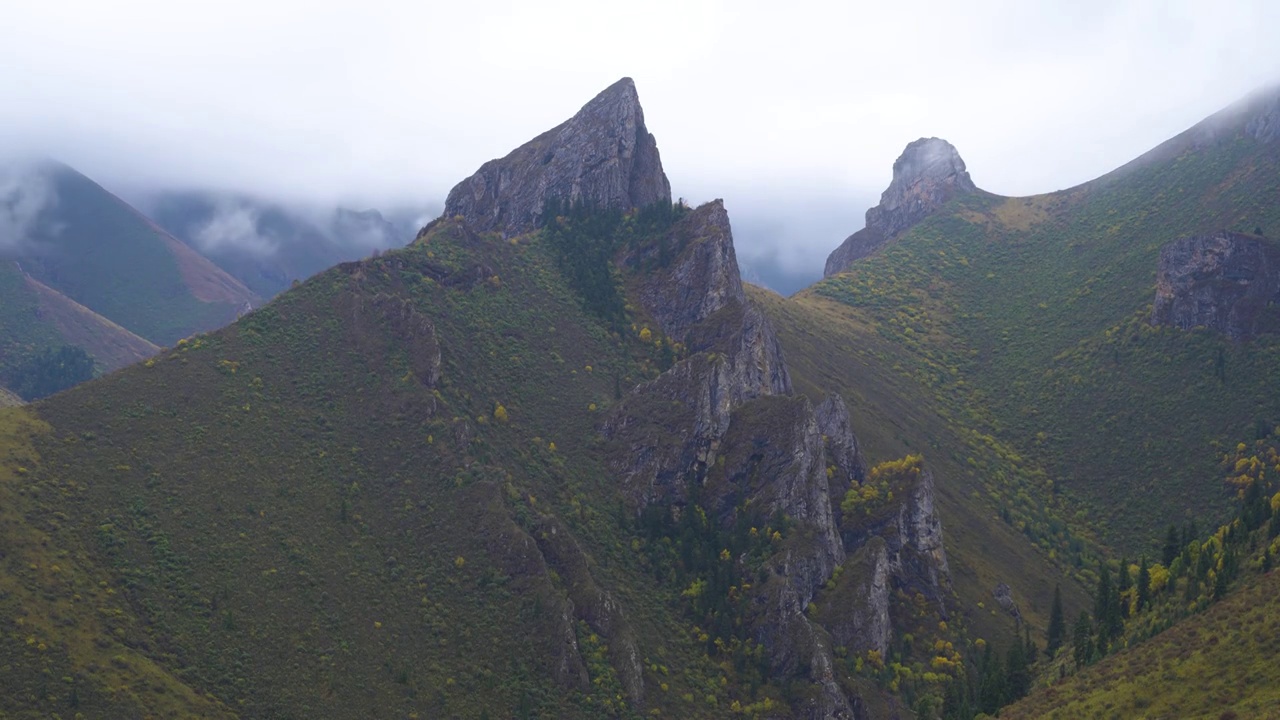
698	275
603	156
926	176
1226	282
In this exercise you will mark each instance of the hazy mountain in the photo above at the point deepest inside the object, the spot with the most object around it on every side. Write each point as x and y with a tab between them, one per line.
268	245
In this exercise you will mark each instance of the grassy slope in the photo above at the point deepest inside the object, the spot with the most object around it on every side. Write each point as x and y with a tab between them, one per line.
830	348
1024	318
1222	664
286	520
34	317
8	399
22	331
105	256
110	345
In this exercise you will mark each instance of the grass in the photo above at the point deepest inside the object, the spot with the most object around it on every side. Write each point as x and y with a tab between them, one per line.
1221	664
832	348
296	518
1024	320
107	257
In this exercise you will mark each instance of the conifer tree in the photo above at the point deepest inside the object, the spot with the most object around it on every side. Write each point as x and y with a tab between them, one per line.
1057	624
1171	546
1144	585
1083	645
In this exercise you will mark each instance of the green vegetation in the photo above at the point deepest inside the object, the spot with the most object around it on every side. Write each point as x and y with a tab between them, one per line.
296	516
1063	371
1158	625
49	372
114	261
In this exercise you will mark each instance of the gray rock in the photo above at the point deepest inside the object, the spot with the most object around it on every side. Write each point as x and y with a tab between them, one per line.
927	175
1226	282
702	278
1003	595
603	156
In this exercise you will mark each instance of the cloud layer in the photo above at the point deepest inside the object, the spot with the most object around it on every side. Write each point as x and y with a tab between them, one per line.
387	102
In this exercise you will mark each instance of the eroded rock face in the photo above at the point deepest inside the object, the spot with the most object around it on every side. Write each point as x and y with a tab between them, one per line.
603	156
702	278
927	175
1226	282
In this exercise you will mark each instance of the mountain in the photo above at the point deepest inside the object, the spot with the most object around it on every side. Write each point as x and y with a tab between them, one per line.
35	318
1029	323
517	472
603	157
927	175
89	246
269	245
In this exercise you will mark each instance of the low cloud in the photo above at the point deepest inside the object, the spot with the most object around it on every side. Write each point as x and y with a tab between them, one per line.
27	193
234	226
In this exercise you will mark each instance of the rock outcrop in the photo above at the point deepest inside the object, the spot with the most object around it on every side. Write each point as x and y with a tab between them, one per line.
604	156
927	175
722	428
1226	282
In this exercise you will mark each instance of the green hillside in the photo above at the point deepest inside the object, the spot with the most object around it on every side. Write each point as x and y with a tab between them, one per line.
99	252
36	320
1221	664
831	348
1025	319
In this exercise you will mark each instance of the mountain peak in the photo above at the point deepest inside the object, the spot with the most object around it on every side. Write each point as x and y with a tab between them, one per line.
604	155
926	176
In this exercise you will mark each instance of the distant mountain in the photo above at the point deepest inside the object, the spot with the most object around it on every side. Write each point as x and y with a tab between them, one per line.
98	251
267	245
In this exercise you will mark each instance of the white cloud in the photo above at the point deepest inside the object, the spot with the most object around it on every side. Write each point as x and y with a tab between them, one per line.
26	192
390	102
233	225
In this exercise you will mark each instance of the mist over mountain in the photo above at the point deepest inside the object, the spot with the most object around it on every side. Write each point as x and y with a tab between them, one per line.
269	244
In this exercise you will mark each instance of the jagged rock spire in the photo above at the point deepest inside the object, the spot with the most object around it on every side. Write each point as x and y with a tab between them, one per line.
604	155
926	176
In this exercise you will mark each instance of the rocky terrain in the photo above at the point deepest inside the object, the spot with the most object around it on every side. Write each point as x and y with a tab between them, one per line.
1226	282
603	157
927	175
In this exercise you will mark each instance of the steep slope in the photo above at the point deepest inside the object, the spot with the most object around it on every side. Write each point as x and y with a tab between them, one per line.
8	399
268	245
93	248
1219	664
603	156
926	176
1065	368
558	474
832	348
35	317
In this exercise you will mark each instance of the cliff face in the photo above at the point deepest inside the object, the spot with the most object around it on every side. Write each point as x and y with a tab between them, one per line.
1226	282
720	432
603	156
722	428
927	175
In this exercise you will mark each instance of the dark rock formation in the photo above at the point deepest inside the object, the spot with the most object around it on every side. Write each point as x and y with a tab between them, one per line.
603	156
723	421
927	175
1226	282
1004	598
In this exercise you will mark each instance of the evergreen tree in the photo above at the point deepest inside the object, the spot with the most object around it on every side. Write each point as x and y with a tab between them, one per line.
1171	547
1057	624
992	692
1017	674
1083	640
1144	585
1124	581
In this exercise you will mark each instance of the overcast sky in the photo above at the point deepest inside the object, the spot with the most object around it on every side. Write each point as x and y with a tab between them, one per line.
793	112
